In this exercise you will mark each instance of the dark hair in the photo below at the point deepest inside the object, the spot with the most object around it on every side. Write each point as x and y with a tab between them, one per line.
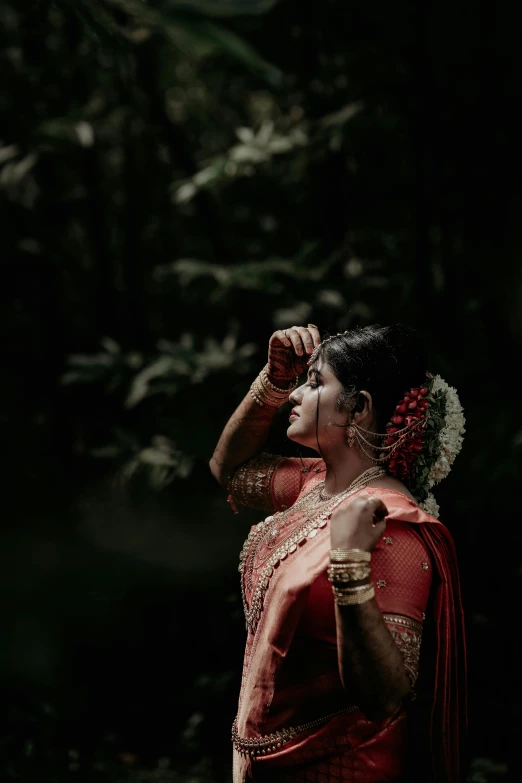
386	361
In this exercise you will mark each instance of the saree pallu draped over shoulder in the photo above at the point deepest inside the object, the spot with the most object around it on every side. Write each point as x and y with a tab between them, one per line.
295	720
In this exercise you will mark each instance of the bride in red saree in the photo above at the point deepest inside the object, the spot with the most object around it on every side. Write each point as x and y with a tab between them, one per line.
354	665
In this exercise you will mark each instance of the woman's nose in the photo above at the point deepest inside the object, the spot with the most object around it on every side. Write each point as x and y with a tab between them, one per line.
295	396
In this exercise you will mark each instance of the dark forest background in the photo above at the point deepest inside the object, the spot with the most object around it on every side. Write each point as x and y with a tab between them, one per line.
178	178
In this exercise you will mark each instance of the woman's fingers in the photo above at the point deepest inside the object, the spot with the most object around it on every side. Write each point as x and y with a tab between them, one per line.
379	528
314	332
371	508
306	337
379	511
295	336
282	337
301	339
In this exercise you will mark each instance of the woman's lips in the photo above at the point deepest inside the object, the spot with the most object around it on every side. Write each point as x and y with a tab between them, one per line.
293	416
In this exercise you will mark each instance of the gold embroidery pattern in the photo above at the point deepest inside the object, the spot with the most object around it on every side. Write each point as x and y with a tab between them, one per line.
407	635
388	540
288	547
425	566
381	583
405	622
304	530
259	746
250	484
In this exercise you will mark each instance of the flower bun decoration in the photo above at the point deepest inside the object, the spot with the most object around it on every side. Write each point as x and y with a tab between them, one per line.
424	436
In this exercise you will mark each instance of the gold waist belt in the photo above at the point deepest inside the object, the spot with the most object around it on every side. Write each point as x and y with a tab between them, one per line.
259	746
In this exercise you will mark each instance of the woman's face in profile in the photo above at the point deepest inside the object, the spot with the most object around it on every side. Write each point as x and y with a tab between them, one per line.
321	389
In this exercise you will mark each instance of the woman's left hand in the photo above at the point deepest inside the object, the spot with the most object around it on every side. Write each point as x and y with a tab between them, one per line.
359	524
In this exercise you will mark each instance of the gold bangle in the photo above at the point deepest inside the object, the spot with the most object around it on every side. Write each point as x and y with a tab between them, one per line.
350	556
275	391
355	600
265	396
348	576
256	398
347	589
267	382
351	575
349	568
262	397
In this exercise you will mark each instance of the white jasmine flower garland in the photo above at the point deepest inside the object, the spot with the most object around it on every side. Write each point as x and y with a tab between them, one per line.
451	435
430	506
442	441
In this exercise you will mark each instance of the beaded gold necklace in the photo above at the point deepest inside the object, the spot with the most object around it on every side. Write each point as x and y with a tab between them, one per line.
316	512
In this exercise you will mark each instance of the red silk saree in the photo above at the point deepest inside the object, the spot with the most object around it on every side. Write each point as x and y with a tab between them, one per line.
296	722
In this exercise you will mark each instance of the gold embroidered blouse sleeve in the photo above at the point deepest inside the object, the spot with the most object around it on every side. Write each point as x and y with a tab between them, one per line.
271	482
407	635
250	484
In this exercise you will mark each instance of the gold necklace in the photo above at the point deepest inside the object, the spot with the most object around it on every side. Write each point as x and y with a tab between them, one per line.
374	472
311	501
266	533
308	528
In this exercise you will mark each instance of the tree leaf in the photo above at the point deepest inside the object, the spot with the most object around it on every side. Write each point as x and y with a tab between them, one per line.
152	456
223	7
192	33
97	20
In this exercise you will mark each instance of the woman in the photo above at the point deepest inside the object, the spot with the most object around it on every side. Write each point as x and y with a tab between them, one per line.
354	662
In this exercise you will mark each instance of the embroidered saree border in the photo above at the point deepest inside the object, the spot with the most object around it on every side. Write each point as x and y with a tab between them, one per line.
265	743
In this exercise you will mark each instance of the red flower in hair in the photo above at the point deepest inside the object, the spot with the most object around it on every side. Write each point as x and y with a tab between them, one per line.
405	432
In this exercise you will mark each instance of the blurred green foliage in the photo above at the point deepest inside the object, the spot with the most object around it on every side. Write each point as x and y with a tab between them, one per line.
178	178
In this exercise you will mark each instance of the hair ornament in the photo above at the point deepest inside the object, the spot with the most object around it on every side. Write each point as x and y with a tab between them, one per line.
424	458
314	353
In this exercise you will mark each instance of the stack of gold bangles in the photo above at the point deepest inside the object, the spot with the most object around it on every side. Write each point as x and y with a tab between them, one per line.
265	393
350	576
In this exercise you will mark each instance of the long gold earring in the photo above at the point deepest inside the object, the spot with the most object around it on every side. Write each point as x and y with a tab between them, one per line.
350	436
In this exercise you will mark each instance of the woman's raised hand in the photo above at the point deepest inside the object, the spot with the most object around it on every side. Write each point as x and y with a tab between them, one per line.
289	351
358	524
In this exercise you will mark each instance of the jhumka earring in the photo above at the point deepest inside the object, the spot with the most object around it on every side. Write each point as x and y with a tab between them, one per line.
350	436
